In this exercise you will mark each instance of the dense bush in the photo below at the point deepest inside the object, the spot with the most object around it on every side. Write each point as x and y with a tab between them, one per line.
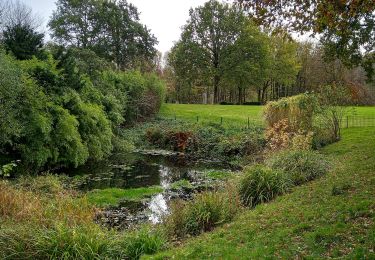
55	115
261	184
141	95
297	110
301	166
203	213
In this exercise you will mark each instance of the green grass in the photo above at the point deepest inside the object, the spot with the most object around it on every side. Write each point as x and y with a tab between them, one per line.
213	113
219	175
181	184
330	217
112	196
362	111
236	115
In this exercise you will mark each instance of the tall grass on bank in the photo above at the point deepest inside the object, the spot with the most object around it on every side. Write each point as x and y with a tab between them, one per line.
261	184
301	165
203	213
59	225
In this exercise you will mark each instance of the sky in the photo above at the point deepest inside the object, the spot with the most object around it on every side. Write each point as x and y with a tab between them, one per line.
164	17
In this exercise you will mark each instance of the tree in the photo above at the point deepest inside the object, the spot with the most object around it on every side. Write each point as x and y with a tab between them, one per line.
109	28
211	29
22	41
248	60
346	28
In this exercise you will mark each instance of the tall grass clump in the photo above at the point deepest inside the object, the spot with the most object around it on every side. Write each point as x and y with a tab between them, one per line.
134	244
261	184
19	205
49	185
301	165
203	213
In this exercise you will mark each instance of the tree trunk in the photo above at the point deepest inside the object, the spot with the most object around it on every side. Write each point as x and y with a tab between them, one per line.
239	96
216	89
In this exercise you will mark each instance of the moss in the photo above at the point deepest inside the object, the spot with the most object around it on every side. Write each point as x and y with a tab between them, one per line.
112	196
219	175
181	184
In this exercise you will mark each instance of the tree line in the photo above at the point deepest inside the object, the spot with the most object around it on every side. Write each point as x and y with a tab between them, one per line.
236	53
64	102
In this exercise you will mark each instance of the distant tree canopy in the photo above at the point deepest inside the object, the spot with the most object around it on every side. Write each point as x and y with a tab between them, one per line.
346	28
222	52
109	28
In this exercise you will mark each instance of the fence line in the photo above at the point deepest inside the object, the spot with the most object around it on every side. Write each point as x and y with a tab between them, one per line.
346	122
358	121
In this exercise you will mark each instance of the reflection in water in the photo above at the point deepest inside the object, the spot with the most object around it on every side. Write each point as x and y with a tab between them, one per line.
139	170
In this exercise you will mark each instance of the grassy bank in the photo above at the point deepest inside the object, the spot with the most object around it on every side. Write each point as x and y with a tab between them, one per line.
330	217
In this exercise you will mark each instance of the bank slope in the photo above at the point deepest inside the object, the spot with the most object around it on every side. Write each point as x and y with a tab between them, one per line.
330	217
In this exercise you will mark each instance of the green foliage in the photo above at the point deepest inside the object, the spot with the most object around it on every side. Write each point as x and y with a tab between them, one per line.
6	169
261	184
247	62
301	166
345	34
139	96
203	213
199	56
111	29
12	90
22	41
55	116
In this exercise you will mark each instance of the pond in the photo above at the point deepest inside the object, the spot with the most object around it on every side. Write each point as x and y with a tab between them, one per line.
144	169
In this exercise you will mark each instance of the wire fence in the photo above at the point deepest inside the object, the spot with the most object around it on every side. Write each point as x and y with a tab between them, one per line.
248	122
358	121
226	122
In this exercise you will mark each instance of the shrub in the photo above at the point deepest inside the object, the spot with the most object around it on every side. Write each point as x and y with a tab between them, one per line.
297	110
204	212
261	184
280	137
301	166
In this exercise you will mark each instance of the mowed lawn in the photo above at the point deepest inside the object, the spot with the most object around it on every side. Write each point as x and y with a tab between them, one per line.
213	113
332	217
235	114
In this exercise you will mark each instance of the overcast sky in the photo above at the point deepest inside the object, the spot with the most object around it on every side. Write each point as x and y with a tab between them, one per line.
163	17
